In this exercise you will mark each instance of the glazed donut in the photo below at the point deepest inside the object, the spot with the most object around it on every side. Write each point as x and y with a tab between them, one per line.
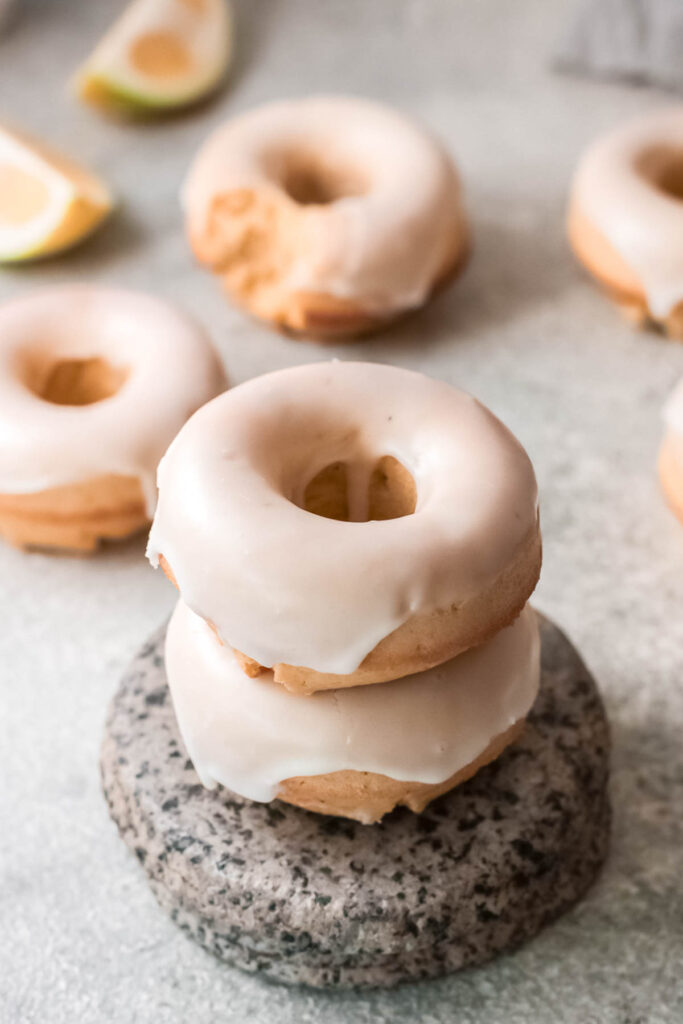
625	218
671	452
348	523
346	753
326	216
94	383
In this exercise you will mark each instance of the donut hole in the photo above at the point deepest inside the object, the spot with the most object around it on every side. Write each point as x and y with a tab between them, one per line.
76	381
663	167
310	181
361	493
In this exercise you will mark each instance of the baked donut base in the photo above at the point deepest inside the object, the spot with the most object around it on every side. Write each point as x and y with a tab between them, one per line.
328	318
322	317
601	260
424	640
366	796
307	898
75	517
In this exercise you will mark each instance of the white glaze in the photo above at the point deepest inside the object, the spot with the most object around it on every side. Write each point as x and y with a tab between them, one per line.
173	369
641	222
384	248
251	734
673	410
284	585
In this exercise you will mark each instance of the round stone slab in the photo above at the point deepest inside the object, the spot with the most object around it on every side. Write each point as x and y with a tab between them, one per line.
301	897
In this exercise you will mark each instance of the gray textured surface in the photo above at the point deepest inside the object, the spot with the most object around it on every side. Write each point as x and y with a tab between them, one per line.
300	897
81	937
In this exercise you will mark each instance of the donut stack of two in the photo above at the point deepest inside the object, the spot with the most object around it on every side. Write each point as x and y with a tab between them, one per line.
354	546
94	384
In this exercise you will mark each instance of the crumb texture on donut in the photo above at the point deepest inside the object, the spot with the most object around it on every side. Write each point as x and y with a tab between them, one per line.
326	216
250	240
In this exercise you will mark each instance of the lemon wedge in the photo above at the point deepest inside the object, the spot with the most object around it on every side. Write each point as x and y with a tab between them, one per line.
47	202
159	55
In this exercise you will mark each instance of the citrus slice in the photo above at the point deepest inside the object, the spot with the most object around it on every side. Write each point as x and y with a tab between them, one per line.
47	202
159	55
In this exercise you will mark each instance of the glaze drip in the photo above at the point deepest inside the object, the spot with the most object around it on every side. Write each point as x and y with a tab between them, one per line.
628	185
422	728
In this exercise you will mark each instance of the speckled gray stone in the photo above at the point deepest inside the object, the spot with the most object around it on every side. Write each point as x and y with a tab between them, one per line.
300	897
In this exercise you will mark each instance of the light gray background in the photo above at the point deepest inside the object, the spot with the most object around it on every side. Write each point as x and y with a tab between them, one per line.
81	939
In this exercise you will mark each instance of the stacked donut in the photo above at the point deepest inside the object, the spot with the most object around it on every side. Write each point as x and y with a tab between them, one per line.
94	384
354	546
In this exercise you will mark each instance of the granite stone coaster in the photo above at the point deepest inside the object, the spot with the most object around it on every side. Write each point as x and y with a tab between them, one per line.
301	897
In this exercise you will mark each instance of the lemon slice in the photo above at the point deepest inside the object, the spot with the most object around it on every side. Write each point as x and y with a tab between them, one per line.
160	54
47	202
